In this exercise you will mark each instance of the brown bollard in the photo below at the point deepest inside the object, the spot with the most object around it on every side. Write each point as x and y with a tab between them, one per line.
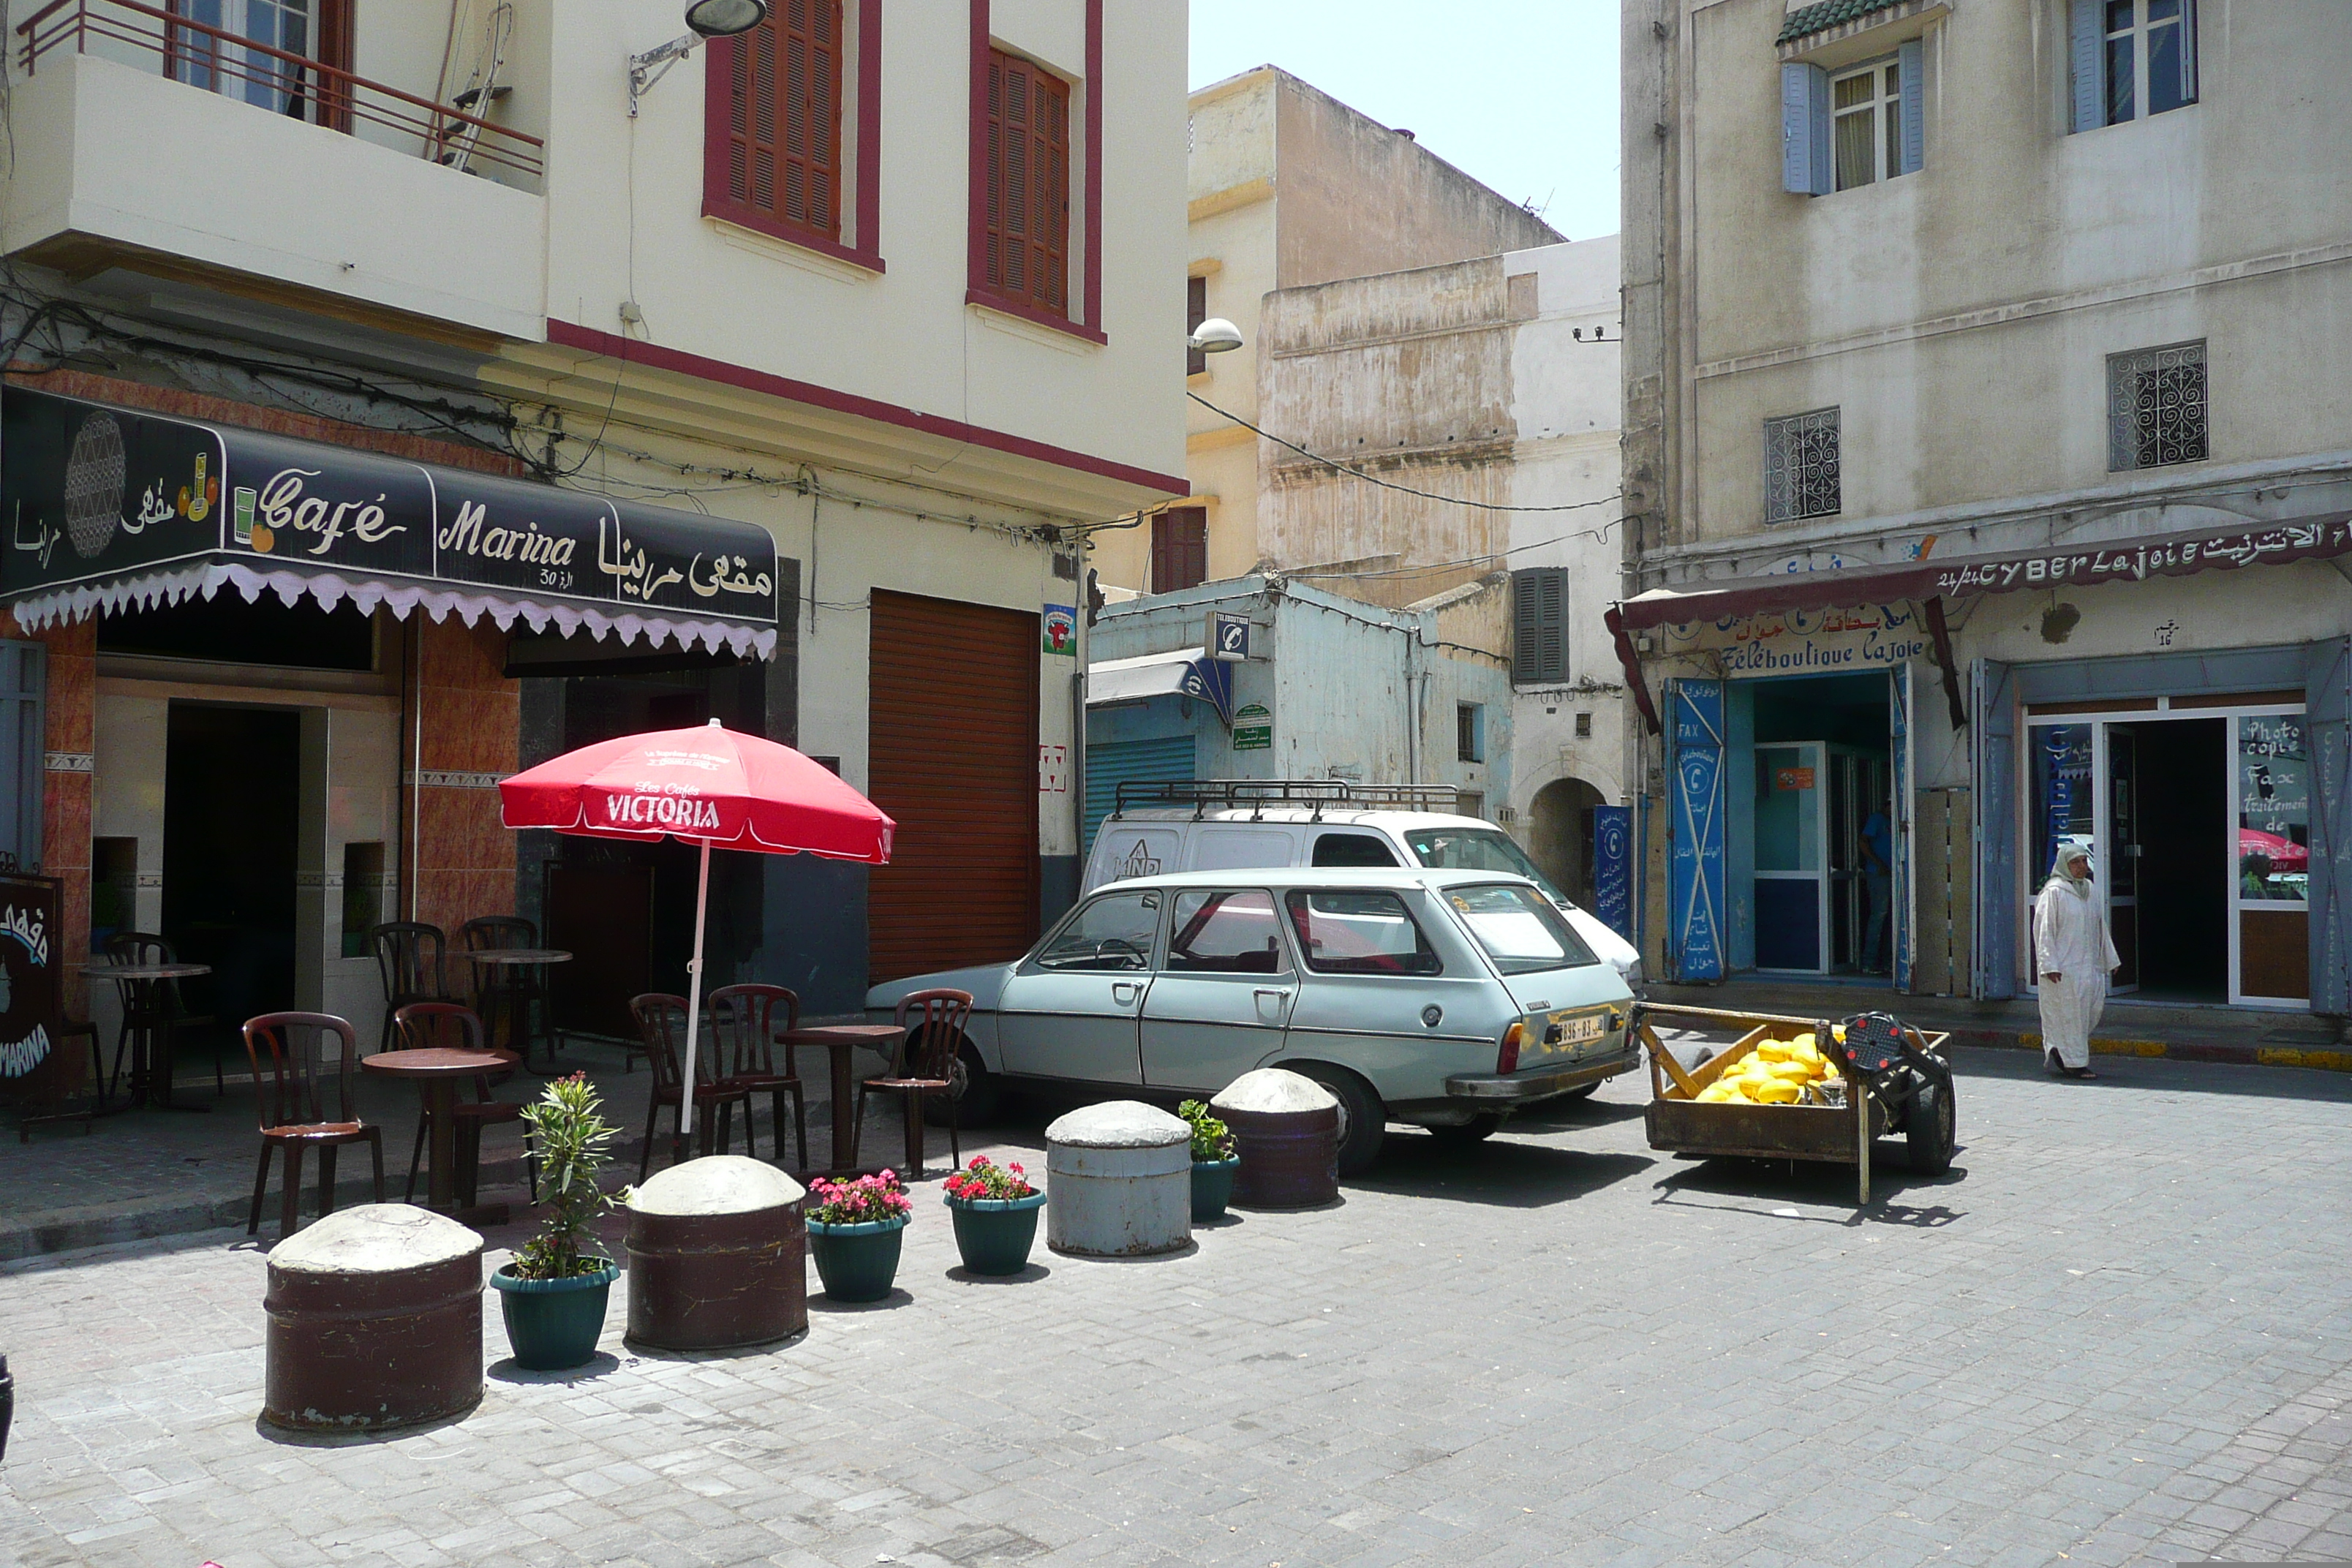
1285	1127
375	1321
717	1257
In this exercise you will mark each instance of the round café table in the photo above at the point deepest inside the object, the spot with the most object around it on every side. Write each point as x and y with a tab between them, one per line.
438	1074
518	1018
149	1027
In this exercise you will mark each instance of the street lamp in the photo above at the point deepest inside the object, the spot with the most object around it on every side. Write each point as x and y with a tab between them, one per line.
1215	336
705	20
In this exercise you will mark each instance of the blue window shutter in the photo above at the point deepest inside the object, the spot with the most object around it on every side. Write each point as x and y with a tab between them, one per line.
1805	129
2187	51
1913	69
2089	53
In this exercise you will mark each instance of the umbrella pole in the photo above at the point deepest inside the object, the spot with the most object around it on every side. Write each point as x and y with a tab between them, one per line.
693	1003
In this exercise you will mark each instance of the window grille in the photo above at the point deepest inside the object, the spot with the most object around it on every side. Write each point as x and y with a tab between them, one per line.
1802	466
2155	407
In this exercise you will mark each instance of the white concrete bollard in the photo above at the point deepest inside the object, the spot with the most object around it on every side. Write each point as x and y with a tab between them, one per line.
1118	1182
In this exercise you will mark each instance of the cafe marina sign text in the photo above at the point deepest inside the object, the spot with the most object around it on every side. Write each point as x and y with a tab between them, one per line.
95	495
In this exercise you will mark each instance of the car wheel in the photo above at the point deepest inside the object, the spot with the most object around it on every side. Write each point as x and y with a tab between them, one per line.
1363	1120
1932	1129
1477	1129
979	1094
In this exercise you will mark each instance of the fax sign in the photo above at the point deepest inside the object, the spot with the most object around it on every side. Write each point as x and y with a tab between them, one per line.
1229	636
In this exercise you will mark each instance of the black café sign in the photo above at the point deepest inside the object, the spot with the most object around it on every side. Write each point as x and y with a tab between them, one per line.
91	493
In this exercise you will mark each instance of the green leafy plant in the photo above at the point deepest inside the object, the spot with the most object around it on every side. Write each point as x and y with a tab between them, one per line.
1212	1139
571	1131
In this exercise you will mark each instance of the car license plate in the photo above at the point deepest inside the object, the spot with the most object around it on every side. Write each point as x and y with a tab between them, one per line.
1579	1028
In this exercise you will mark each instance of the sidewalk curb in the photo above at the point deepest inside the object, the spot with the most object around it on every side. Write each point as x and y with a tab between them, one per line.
2321	1061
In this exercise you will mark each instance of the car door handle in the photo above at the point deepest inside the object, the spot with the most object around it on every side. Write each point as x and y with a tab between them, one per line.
1125	992
1270	1004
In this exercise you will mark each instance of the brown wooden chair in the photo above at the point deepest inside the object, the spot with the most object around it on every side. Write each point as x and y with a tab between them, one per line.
410	961
744	1022
294	1112
924	1064
661	1025
153	1006
505	992
452	1026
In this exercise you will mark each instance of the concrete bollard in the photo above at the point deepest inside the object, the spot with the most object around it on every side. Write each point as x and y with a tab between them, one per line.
717	1257
375	1321
1118	1182
1285	1127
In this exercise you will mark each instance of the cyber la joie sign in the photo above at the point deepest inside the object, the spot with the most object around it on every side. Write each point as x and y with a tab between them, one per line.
90	493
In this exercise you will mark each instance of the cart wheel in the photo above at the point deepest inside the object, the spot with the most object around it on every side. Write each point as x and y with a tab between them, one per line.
1931	1129
1477	1129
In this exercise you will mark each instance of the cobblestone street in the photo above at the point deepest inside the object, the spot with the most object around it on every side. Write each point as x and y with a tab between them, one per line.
2117	1332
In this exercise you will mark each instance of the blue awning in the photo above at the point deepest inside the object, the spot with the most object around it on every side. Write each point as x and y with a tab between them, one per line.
1187	672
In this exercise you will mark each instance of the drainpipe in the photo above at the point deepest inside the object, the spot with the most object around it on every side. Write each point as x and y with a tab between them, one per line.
1412	717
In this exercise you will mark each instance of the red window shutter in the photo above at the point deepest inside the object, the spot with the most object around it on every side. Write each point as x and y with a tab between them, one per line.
1027	237
1180	549
1196	311
783	118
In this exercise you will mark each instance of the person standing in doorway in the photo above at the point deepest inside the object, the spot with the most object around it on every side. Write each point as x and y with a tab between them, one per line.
2075	953
1877	886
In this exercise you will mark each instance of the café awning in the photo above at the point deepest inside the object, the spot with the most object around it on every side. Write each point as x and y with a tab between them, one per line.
1187	672
111	509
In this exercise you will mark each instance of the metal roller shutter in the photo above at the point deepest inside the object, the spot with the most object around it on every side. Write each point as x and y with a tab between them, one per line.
1166	760
951	754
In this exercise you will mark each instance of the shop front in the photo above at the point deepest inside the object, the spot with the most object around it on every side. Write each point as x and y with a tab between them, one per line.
1934	730
290	657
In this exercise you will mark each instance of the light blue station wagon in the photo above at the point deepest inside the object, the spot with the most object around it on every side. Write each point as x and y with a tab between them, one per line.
1448	999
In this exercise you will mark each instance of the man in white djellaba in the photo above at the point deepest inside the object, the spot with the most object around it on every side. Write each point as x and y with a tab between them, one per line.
2071	945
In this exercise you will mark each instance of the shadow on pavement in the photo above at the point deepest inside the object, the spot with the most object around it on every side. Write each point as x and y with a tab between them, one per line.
507	1370
1502	1172
1029	1271
1755	1186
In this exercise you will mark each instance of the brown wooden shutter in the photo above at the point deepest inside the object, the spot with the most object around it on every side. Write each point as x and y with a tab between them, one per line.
1180	549
952	755
1196	311
1027	238
783	117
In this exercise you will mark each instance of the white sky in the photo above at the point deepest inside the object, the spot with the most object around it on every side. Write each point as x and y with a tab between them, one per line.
1521	94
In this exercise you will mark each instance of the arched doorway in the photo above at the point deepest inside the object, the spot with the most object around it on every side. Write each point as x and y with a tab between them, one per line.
1560	836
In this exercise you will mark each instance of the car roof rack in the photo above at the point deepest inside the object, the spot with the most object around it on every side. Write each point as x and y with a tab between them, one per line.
1202	794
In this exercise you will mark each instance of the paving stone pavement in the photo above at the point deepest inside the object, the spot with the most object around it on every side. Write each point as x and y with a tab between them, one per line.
2117	1332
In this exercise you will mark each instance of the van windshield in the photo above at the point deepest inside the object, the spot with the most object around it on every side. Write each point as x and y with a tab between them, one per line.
1478	849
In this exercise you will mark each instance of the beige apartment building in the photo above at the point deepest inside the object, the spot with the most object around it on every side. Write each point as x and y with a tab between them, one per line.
1988	480
1287	187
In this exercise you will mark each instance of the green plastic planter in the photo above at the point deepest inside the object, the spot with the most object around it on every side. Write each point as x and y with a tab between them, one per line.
1212	1186
995	1235
554	1323
857	1262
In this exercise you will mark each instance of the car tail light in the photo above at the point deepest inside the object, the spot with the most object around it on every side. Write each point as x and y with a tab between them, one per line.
1507	1059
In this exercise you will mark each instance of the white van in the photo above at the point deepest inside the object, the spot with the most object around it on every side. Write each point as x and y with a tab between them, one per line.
1233	824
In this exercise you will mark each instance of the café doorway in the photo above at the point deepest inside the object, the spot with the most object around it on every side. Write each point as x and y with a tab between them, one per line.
231	842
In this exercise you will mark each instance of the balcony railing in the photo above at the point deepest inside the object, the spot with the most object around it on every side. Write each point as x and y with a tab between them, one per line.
274	80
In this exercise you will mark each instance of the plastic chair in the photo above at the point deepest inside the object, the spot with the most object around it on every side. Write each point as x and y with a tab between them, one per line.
744	1025
504	990
409	958
451	1025
661	1025
294	1113
926	1064
164	1013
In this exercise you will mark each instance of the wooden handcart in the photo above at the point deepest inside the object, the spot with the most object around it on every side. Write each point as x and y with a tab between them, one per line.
1895	1079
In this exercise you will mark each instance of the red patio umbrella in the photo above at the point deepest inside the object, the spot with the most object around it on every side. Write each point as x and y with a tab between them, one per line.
2284	854
711	786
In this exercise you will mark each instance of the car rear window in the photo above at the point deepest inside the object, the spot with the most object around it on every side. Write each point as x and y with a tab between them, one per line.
1520	928
1476	849
1349	932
